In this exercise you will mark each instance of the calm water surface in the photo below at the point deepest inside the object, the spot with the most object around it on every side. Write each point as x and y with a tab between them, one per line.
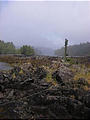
5	66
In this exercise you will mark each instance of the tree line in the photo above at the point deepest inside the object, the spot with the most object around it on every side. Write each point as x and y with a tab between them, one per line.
82	49
9	48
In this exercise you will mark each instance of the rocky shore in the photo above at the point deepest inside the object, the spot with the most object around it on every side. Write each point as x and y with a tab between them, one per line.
43	88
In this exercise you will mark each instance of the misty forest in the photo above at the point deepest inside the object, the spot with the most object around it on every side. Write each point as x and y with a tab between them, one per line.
44	60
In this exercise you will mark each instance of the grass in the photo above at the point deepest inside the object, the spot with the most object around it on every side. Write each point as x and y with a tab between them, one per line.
21	72
81	71
82	75
13	75
49	79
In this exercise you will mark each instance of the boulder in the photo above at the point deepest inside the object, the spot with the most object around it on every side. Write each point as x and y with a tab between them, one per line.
63	74
40	73
87	100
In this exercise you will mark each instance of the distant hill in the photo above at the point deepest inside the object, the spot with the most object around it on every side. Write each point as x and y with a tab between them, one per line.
44	51
82	49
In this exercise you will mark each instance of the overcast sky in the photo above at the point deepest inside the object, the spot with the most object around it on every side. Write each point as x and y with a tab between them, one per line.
45	23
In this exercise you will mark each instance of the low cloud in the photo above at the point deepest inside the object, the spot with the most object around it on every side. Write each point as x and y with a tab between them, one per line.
45	24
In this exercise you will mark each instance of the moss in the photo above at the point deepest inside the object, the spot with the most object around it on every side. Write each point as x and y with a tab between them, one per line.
71	61
13	75
86	87
81	75
72	96
81	71
49	79
21	71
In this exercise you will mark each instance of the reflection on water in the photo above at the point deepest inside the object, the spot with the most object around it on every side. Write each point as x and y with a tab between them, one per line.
5	66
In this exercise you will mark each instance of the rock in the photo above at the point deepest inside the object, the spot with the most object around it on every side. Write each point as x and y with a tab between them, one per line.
56	76
5	75
39	109
86	113
79	94
1	95
27	81
44	84
87	100
52	98
11	94
62	75
59	111
26	84
82	81
7	111
16	70
40	73
1	88
76	108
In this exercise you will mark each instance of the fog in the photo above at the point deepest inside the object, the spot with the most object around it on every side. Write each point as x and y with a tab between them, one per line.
45	24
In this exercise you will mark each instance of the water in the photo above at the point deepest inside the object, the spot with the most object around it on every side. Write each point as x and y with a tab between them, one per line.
5	66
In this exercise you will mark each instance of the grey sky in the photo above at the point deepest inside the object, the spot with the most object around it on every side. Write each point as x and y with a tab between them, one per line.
44	23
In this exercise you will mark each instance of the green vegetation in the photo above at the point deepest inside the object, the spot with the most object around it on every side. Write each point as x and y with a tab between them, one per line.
83	49
9	48
50	79
27	50
80	71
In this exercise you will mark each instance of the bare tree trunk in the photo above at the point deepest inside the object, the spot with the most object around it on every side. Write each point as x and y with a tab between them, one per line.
65	54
